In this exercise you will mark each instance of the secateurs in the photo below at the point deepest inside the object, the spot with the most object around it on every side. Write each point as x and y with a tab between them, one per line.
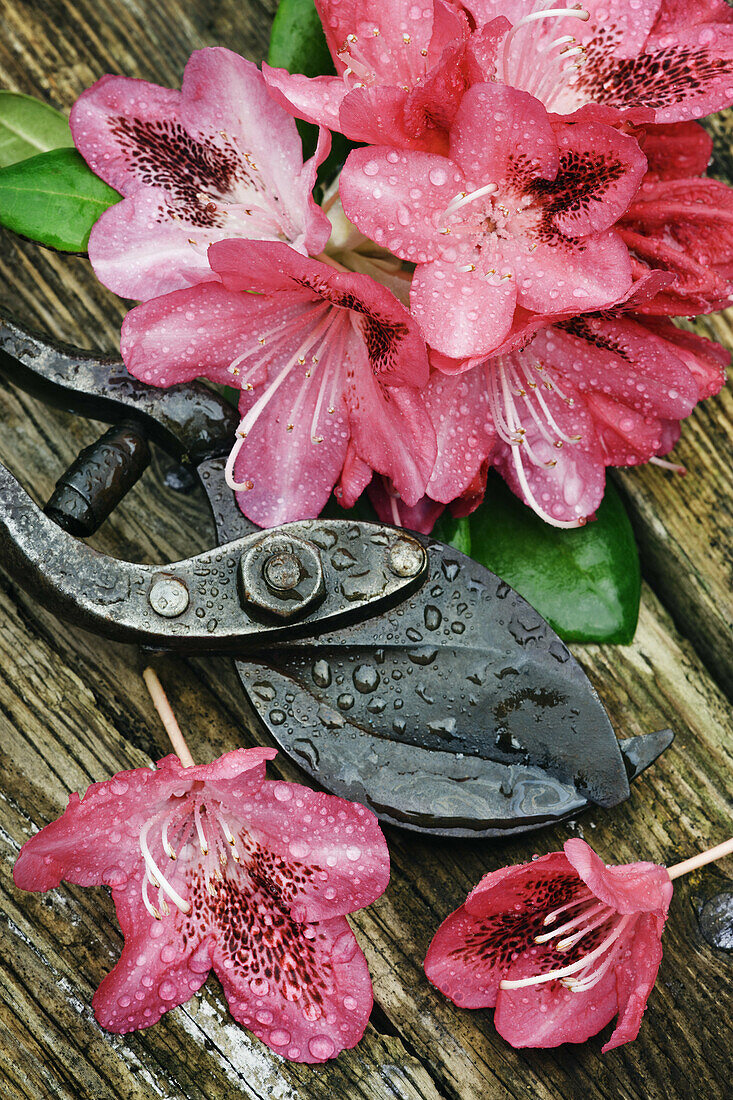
394	670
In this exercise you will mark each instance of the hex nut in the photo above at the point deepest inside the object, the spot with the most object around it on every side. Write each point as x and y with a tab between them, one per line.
282	576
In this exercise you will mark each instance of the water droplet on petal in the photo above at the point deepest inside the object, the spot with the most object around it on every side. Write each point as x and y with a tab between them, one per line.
321	1046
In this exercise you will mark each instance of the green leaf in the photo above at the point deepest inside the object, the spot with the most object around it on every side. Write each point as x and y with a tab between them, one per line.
585	582
453	532
29	126
54	199
298	44
297	41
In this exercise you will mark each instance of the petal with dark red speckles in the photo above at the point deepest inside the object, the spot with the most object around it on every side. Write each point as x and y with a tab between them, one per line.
304	990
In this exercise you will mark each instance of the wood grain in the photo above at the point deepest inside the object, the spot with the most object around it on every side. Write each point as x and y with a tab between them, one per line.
73	710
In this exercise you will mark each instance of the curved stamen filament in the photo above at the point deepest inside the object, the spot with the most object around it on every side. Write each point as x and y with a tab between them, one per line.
581	898
569	925
326	318
203	842
465	197
522	68
581	964
153	873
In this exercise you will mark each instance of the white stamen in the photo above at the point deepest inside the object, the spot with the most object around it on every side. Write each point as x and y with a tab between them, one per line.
154	874
465	197
573	968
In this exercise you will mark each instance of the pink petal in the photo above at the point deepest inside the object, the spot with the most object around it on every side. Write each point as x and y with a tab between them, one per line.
458	408
354	479
676	13
318	1000
706	361
635	976
678	150
97	838
473	948
393	55
462	313
189	334
563	481
549	1014
628	888
432	104
324	856
704	53
226	105
291	474
501	134
626	437
399	198
563	275
315	99
139	251
600	172
156	971
112	143
381	116
623	361
468	978
392	432
390	508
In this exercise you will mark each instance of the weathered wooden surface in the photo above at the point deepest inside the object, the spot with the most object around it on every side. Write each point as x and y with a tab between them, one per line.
73	710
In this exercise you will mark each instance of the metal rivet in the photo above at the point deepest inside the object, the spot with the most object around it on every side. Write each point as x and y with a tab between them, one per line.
168	597
282	572
406	558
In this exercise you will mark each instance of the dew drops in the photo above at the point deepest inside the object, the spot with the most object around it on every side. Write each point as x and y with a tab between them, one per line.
283	792
279	1037
353	853
260	987
167	991
168	953
312	1012
350	1004
366	679
322	673
437	176
371	168
321	1046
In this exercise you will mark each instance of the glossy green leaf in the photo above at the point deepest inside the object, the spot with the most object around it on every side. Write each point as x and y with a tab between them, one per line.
297	41
298	44
585	582
453	532
28	126
53	198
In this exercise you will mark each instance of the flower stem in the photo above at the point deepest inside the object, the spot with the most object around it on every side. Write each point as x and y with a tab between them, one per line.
684	868
167	717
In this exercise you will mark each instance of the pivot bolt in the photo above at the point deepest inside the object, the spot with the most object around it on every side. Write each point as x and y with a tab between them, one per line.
282	572
281	575
168	597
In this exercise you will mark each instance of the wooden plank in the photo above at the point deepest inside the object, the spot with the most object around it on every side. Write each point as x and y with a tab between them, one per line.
73	710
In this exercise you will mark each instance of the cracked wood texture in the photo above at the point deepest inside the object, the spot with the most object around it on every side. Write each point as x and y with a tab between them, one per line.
73	710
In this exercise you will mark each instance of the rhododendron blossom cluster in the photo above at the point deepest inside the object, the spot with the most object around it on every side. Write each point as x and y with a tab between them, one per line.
488	282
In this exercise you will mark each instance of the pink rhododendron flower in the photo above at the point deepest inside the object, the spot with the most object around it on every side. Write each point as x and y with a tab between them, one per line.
323	358
560	946
218	159
591	392
681	223
399	69
214	867
662	60
519	215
